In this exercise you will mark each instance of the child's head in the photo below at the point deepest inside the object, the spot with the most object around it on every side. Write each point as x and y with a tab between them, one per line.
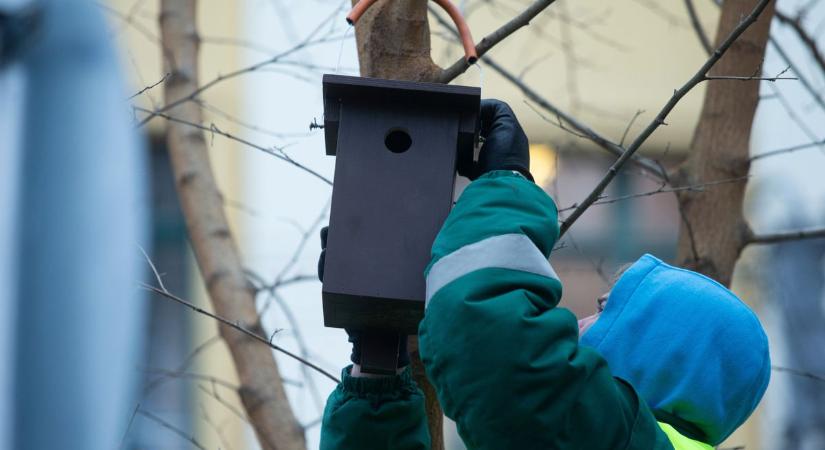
692	350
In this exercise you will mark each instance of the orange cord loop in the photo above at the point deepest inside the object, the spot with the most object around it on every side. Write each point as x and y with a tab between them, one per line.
470	54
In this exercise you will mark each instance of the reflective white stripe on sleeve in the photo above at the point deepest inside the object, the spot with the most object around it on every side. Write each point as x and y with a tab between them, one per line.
508	251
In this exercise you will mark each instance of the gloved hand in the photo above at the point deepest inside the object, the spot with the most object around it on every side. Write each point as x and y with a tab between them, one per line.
356	337
505	144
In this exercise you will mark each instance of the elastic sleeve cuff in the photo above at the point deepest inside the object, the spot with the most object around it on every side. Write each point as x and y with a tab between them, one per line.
384	386
522	171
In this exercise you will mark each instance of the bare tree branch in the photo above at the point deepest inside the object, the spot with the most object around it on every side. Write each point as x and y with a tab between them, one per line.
237	326
274	151
236	120
807	39
792	113
128	427
495	37
309	41
817	96
797	372
790	149
308	233
630	125
189	438
580	128
678	94
151	386
218	431
231	408
303	348
784	236
749	78
697	26
663	189
149	87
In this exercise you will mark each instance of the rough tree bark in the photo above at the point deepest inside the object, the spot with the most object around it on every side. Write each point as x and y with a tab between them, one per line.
714	230
393	39
262	391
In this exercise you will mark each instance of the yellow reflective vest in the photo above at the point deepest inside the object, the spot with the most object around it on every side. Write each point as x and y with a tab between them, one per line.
681	442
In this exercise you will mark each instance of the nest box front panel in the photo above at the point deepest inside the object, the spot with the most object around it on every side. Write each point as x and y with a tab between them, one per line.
394	177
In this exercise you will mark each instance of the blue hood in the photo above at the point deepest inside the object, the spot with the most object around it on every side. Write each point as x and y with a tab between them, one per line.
694	352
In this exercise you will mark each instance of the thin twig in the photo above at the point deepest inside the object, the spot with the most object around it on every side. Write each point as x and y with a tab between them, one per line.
302	346
797	372
154	269
785	57
215	427
276	152
580	128
191	439
149	87
792	114
629	126
490	41
231	118
558	123
661	190
815	93
697	26
154	384
791	149
571	64
749	78
194	376
784	236
309	232
128	427
807	39
166	294
308	42
238	327
214	394
678	94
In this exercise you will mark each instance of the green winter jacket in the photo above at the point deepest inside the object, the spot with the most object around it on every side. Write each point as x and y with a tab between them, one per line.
505	361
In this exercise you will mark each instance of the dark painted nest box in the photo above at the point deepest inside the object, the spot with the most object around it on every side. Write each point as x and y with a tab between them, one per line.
397	146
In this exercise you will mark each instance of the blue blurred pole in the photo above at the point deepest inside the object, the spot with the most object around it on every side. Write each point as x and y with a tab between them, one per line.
80	315
11	108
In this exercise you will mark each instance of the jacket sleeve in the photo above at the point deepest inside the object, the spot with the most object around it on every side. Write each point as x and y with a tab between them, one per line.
503	358
375	414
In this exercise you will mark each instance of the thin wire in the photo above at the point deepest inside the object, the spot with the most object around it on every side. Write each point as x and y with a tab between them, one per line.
341	49
480	75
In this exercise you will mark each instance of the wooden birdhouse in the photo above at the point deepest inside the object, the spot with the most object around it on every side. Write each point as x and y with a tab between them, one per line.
397	146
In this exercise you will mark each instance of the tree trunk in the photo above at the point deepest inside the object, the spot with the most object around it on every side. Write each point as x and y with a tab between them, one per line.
714	230
393	39
262	391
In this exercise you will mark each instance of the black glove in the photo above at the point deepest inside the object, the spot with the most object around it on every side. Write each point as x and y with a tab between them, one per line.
355	337
505	144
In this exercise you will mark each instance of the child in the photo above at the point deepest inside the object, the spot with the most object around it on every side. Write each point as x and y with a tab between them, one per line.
674	360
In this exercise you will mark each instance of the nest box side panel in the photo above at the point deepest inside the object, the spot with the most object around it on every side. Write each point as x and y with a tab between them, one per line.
394	177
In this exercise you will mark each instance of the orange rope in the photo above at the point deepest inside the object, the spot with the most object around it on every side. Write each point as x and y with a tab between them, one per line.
470	54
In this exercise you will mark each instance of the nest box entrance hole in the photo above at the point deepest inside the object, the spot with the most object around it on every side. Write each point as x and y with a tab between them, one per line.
398	140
